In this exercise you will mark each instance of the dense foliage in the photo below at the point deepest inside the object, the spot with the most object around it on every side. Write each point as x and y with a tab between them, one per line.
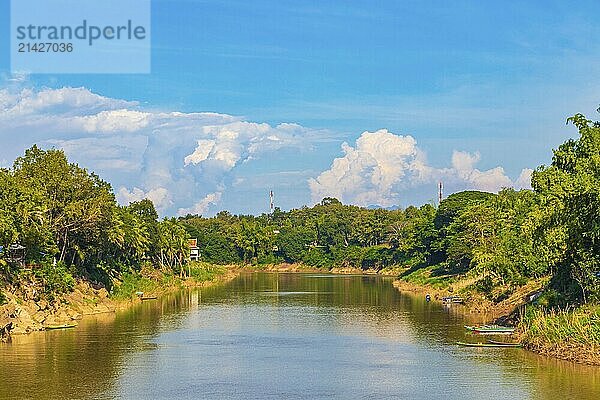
470	231
67	221
569	219
326	235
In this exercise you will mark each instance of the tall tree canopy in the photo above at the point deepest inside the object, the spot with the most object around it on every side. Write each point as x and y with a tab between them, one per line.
61	213
569	220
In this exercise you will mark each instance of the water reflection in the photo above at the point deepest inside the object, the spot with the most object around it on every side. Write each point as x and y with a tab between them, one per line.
281	336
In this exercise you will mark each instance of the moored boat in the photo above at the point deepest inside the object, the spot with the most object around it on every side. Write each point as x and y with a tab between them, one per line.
504	344
488	344
490	329
452	300
62	326
147	297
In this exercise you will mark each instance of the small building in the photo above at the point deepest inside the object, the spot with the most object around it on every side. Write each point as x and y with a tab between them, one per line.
14	254
194	250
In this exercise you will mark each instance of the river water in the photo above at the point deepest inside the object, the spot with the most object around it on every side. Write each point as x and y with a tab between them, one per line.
281	336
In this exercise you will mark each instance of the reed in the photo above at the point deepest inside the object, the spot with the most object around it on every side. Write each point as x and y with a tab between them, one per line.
572	334
202	272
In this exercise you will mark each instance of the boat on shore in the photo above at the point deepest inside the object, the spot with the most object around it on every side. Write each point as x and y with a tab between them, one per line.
490	329
489	344
452	300
147	297
504	344
62	326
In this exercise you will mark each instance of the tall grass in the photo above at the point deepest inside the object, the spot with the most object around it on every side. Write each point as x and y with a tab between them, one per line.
570	334
202	272
132	283
150	280
428	276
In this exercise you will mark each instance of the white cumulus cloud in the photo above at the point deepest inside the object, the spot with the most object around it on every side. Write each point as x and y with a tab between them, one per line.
372	172
382	166
524	179
201	153
463	169
201	207
159	196
173	158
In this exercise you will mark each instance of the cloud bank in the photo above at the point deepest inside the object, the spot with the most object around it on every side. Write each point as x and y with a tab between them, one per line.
191	162
172	158
382	166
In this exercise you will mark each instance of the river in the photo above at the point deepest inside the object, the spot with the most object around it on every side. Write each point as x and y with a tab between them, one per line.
281	336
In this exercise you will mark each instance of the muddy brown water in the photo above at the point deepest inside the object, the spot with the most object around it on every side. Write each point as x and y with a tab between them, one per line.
281	336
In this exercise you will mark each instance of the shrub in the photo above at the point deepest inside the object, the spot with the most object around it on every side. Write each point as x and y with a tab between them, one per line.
56	279
202	272
317	257
132	283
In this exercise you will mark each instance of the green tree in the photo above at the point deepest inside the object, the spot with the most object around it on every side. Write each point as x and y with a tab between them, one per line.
570	220
65	201
173	245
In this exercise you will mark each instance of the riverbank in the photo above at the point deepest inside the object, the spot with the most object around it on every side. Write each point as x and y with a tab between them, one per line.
352	324
473	302
572	335
297	267
26	309
302	268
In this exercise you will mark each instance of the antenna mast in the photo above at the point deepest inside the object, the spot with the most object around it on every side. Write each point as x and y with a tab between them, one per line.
440	193
272	201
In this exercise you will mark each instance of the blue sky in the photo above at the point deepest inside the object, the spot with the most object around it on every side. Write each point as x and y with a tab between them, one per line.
477	85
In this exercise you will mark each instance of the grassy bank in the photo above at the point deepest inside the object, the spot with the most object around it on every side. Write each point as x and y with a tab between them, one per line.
282	267
572	334
152	282
496	299
431	276
566	334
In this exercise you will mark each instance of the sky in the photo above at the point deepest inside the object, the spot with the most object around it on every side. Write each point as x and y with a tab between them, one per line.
372	102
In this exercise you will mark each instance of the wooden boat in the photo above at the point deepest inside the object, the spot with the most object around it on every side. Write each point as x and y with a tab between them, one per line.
490	329
452	300
63	326
142	297
479	344
505	344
